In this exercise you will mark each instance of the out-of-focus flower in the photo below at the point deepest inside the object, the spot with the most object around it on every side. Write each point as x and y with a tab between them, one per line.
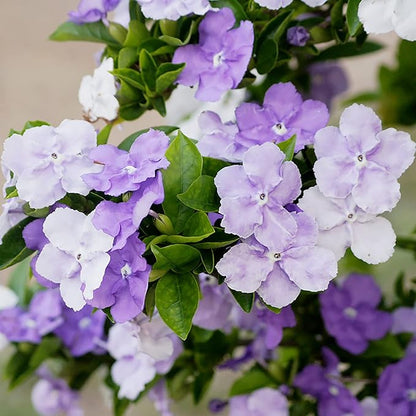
92	10
172	9
298	36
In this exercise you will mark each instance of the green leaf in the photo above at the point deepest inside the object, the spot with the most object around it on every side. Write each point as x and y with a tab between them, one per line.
353	22
177	298
104	134
13	248
254	379
131	111
158	103
131	76
136	34
11	192
387	347
148	69
348	49
245	300
288	147
149	303
177	257
17	368
117	31
201	385
234	5
127	57
127	142
267	55
166	75
19	282
201	195
90	32
35	212
217	240
212	166
208	260
46	349
185	166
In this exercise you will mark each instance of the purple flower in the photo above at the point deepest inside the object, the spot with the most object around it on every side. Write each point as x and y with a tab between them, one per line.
260	188
82	331
298	36
127	171
397	388
279	273
282	115
160	398
121	220
342	224
219	61
323	383
327	80
11	215
350	315
92	10
52	396
404	320
41	318
262	402
125	282
362	160
172	9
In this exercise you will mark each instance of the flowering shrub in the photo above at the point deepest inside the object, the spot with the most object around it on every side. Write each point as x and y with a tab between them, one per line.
178	254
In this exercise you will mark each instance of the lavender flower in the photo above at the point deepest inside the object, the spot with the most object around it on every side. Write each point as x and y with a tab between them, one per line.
404	320
282	115
277	4
92	10
219	61
52	396
48	162
343	224
362	160
397	388
262	402
127	171
350	315
297	36
260	188
279	273
323	383
125	282
82	331
76	255
160	398
172	9
11	215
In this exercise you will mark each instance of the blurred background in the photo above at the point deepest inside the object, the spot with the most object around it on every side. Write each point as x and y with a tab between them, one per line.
39	80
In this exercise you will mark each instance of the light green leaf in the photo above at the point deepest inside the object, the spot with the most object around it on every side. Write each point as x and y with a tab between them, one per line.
177	257
353	22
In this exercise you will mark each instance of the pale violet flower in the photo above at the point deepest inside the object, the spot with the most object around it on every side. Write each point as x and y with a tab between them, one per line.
172	9
362	160
343	224
382	16
11	215
75	257
49	161
142	348
97	93
277	4
8	299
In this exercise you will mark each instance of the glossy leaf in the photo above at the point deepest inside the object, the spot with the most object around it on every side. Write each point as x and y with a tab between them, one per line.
245	300
201	195
176	257
353	22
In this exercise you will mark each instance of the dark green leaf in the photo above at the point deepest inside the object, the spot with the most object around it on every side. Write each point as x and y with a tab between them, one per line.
267	55
158	103
131	76
388	347
166	75
217	240
149	303
13	248
148	69
212	166
46	349
177	257
353	22
35	213
90	32
245	300
131	111
201	195
254	379
348	49
208	260
201	385
288	147
234	5
177	298
127	142
19	282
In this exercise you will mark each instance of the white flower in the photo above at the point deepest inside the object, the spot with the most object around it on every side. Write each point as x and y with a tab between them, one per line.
172	9
342	224
277	4
97	93
11	215
76	255
382	16
48	162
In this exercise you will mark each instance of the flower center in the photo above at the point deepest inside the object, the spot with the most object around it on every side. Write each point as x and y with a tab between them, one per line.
360	160
280	129
79	256
351	217
350	312
130	169
30	323
274	256
54	156
334	390
263	198
411	395
125	271
84	322
218	59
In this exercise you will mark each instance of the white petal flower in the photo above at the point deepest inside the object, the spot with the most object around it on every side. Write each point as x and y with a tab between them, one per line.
97	93
172	9
11	215
8	299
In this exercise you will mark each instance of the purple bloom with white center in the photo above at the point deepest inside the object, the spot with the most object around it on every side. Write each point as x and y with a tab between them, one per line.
216	305
397	388
343	224
262	402
282	115
125	282
92	10
126	171
323	383
219	61
81	332
260	188
52	396
278	273
361	159
297	36
76	255
48	162
41	318
327	80
172	9
350	313
121	220
218	138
